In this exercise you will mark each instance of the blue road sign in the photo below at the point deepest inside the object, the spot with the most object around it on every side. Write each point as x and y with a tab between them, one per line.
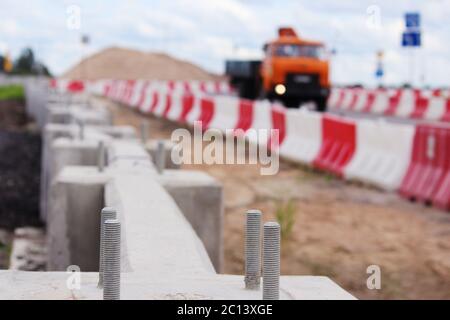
379	73
411	39
412	20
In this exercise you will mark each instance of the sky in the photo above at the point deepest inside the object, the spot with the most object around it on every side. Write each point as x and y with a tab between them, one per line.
207	32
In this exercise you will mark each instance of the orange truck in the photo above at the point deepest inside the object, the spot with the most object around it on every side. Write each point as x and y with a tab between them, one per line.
293	71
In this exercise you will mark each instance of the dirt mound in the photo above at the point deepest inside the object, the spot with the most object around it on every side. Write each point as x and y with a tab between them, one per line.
121	63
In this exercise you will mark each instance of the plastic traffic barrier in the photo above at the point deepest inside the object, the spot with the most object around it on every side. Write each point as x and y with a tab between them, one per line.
303	136
226	112
382	153
206	111
276	139
245	117
418	162
431	180
429	163
338	144
441	196
446	116
262	119
75	86
187	104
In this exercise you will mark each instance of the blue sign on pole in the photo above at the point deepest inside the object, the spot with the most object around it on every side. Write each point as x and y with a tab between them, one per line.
379	73
411	39
412	20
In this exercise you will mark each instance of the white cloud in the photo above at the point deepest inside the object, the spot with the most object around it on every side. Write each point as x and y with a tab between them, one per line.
207	32
8	27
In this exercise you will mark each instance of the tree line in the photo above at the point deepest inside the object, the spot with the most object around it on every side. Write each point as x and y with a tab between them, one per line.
24	64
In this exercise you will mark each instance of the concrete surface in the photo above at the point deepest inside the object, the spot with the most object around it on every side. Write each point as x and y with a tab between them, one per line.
72	151
53	286
200	198
73	225
159	239
152	145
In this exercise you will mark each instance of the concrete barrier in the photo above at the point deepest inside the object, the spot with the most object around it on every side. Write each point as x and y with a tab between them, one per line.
162	256
200	198
152	148
75	201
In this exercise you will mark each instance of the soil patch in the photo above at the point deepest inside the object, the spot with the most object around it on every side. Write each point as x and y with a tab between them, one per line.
20	162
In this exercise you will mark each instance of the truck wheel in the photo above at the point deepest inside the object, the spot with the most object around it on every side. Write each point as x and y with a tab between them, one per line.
321	104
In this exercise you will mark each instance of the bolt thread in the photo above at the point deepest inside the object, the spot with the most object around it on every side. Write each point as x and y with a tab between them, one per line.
107	213
111	272
160	157
271	261
253	249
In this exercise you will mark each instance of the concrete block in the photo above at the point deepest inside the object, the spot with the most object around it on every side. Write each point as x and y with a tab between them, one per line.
64	152
157	239
59	115
91	116
50	133
129	154
36	92
73	227
152	145
200	198
117	132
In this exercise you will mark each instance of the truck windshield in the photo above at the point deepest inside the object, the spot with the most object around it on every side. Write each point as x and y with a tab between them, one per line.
295	50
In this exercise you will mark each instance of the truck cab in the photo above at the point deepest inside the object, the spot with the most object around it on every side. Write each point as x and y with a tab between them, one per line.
293	71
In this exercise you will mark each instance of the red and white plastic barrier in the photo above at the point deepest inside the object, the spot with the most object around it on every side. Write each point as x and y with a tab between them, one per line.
128	89
415	160
382	155
303	136
428	176
338	144
407	103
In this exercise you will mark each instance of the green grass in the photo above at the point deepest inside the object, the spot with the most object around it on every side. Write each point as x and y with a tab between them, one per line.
11	92
285	215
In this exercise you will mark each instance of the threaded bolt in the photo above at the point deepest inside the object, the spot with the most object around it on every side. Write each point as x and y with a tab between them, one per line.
144	131
101	156
107	213
160	157
111	271
271	261
253	249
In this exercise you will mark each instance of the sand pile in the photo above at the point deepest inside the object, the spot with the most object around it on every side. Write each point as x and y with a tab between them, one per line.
121	63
